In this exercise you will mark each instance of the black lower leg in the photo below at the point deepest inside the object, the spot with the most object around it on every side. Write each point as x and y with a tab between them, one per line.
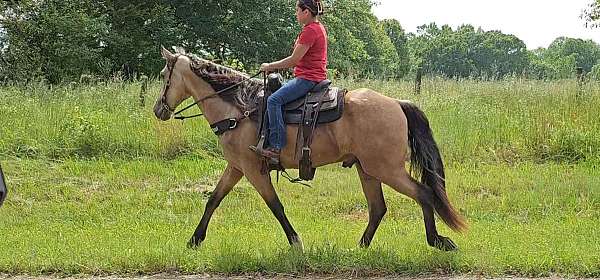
375	216
200	232
277	209
433	238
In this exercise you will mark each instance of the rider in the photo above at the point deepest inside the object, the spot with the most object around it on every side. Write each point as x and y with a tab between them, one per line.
309	60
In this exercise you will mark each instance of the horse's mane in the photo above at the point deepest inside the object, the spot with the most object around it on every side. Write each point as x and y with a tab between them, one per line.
221	77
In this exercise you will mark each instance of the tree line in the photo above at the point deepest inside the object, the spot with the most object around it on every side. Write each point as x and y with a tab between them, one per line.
58	41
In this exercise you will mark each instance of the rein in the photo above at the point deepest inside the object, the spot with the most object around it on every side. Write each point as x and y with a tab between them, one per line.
178	117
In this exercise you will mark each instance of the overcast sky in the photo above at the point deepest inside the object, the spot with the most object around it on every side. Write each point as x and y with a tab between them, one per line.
536	22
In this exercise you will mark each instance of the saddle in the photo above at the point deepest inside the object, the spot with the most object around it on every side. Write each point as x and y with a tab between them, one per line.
322	104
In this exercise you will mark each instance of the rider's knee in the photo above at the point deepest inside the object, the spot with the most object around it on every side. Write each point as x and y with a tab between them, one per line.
274	100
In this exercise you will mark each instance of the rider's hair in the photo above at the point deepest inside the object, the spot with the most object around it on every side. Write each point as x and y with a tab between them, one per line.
314	6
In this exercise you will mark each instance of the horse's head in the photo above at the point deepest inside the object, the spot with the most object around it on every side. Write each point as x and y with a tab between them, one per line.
173	91
185	76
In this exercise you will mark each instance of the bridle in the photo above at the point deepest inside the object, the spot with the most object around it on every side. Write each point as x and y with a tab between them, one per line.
171	68
163	99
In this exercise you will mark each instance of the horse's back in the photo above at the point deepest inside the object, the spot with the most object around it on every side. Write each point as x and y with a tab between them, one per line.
371	119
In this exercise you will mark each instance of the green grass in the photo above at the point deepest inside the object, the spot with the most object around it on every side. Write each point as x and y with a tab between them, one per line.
98	186
104	217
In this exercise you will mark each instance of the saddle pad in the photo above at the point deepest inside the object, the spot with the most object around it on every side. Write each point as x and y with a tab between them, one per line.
329	100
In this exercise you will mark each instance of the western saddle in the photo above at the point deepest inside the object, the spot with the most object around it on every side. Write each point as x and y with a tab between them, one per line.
323	104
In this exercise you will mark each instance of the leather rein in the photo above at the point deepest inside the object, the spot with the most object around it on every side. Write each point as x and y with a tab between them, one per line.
177	116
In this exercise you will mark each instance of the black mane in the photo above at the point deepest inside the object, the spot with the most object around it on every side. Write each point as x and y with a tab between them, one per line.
220	77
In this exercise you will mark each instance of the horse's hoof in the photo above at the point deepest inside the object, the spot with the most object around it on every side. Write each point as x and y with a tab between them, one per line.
297	245
445	244
193	244
364	243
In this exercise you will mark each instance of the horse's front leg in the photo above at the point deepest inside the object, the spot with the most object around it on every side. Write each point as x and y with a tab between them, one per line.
229	178
262	184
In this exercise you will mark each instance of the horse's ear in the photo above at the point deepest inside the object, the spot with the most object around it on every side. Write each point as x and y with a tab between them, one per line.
180	50
166	54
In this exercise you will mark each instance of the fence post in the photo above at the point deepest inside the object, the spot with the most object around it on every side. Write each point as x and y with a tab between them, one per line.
418	80
144	79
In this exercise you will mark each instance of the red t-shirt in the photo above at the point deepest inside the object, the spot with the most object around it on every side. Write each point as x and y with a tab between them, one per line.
313	64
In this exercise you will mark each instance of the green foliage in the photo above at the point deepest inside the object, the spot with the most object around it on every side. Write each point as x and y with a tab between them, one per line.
585	52
63	41
53	40
595	73
466	52
251	31
396	34
541	69
360	46
135	31
592	14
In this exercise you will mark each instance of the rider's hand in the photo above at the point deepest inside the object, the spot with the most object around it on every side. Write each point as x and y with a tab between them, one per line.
266	67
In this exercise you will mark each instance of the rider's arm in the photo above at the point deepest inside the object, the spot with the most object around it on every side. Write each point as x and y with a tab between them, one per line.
290	61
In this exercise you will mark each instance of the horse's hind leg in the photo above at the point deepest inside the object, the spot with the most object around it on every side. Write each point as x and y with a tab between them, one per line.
372	190
229	178
422	194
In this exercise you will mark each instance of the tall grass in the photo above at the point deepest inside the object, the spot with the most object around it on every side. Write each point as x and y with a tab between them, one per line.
507	121
94	121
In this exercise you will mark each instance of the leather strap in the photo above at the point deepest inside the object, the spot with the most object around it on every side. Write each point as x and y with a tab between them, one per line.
225	125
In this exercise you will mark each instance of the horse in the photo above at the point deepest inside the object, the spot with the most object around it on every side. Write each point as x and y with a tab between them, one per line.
374	134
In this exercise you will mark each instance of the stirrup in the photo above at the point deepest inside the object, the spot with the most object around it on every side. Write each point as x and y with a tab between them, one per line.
261	152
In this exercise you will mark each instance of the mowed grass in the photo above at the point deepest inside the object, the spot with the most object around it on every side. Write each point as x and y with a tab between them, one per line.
98	186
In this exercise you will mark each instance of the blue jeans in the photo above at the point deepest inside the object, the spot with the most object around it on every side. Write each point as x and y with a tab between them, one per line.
289	92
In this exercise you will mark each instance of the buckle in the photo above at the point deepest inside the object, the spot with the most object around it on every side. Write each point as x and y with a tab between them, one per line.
232	123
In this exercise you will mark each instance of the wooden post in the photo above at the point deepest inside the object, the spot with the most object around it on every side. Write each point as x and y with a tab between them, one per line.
144	79
580	80
418	80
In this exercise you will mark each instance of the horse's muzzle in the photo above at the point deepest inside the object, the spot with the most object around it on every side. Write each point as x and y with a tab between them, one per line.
3	189
161	111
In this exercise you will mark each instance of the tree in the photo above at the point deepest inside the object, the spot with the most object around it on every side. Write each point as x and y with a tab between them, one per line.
135	30
56	40
539	68
585	52
592	14
396	34
351	24
250	31
466	52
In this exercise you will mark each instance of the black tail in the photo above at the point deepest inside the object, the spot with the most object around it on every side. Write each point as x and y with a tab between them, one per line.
426	160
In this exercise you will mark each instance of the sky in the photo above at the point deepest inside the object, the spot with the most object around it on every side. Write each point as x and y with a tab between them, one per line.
536	22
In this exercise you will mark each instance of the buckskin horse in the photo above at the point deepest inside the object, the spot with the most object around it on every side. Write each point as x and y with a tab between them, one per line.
374	133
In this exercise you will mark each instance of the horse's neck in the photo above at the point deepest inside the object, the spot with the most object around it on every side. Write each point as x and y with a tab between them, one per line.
215	109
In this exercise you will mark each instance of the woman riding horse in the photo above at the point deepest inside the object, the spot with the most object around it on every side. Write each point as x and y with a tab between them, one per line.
309	60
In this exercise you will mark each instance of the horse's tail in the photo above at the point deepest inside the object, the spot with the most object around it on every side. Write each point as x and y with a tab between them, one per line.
426	159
